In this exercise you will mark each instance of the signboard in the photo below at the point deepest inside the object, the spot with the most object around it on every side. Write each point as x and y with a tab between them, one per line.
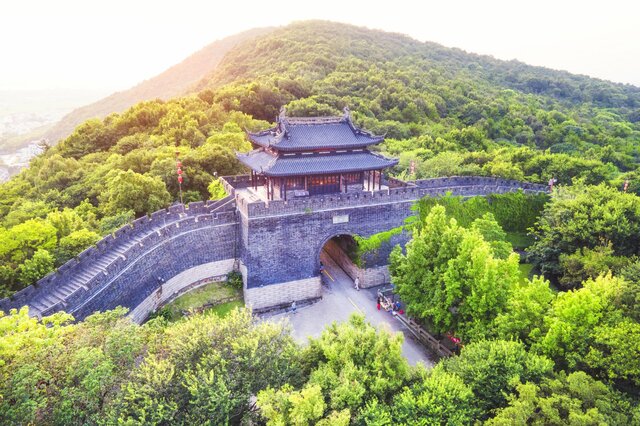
344	218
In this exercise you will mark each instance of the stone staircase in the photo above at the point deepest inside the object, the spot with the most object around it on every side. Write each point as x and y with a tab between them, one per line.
76	279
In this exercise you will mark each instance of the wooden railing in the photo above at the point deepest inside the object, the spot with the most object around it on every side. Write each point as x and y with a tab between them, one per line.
424	337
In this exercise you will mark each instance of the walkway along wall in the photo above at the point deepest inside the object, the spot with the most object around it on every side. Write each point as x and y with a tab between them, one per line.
126	268
275	245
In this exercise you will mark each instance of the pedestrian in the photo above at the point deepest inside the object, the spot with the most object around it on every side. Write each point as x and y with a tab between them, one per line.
379	301
356	283
293	307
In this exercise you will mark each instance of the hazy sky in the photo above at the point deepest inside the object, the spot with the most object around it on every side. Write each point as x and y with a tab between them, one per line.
112	45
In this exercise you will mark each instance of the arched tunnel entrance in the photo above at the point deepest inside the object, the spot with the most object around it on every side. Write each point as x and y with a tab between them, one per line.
340	251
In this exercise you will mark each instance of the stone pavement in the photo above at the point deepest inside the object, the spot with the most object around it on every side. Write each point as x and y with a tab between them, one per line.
339	301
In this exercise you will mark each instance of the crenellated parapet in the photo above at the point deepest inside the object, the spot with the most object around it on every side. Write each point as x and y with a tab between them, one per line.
411	191
75	282
274	243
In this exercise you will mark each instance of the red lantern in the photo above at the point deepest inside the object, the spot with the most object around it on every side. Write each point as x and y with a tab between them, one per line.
179	179
179	171
179	164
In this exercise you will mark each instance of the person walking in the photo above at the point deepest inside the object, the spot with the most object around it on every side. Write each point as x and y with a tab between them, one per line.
293	307
379	301
356	283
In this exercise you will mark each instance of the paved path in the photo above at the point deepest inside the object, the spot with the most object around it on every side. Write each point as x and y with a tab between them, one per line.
339	301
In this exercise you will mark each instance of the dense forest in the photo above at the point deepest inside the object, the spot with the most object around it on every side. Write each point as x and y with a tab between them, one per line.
559	348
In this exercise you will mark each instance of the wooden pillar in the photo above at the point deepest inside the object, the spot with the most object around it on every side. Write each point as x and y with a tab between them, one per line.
283	189
306	187
268	185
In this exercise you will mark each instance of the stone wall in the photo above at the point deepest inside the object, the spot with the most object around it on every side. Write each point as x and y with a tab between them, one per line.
180	284
286	247
112	272
160	263
283	293
457	185
278	241
281	240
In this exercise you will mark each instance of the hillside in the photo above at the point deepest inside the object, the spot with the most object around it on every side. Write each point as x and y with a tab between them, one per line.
444	111
319	49
175	81
545	334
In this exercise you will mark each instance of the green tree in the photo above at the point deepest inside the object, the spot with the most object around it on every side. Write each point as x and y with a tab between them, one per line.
441	398
615	352
525	310
216	190
290	407
74	243
206	371
570	323
566	399
586	216
588	263
493	368
352	365
450	277
132	191
39	265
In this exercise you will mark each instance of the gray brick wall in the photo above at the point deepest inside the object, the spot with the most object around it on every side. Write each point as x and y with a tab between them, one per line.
278	244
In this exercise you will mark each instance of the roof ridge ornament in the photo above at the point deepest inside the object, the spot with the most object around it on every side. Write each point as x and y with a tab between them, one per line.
347	113
282	115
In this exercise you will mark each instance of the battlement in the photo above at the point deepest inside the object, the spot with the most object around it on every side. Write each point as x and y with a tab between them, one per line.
409	192
278	243
77	278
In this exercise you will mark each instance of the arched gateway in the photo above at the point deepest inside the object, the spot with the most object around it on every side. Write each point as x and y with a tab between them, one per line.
312	179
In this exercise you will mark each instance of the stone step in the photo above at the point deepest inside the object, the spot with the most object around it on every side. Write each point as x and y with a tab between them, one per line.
84	276
76	283
35	306
121	250
47	299
102	262
67	290
57	293
111	256
94	270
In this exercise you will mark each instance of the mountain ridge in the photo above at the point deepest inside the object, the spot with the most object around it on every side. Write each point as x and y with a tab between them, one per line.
174	81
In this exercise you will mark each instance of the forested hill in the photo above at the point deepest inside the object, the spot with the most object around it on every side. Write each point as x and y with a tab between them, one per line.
445	111
306	51
176	81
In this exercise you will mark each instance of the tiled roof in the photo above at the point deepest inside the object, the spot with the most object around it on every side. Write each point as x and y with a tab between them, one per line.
300	134
308	164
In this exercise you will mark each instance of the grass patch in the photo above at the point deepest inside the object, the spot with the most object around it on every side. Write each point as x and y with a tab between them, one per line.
525	271
210	293
520	240
223	309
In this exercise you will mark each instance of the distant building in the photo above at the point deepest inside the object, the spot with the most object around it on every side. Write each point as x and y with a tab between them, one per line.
314	155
